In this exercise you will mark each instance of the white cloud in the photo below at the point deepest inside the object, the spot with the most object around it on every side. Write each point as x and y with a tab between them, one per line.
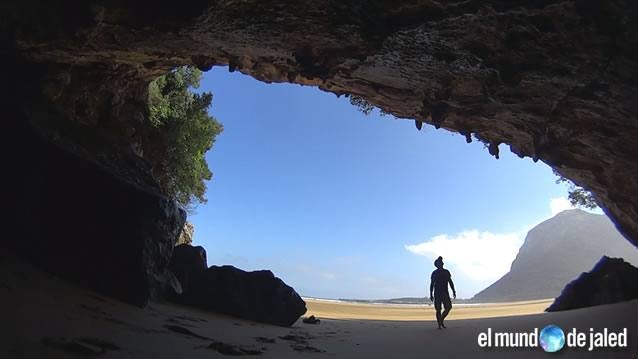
328	276
559	204
482	256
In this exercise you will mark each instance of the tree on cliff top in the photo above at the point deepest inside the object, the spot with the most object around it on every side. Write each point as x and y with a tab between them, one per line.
578	196
178	134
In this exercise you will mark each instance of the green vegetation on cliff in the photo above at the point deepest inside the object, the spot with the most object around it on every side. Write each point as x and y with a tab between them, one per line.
578	196
178	134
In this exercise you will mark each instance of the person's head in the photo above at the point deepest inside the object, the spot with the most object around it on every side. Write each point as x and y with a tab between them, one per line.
439	262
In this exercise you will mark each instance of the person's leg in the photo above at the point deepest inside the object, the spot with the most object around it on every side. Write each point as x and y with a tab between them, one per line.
447	305
437	308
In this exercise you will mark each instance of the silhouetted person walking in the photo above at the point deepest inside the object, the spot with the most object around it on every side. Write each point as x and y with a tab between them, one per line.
438	283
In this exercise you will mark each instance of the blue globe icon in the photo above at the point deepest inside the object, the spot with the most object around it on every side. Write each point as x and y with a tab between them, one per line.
552	338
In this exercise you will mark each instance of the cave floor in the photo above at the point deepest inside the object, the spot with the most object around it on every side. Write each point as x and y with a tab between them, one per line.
45	317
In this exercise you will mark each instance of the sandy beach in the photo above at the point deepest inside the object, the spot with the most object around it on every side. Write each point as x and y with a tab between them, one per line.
412	312
44	317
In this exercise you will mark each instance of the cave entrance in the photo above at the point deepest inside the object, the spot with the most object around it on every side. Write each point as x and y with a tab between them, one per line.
341	204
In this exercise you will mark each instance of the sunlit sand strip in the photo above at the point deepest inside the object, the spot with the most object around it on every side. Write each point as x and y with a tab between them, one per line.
413	312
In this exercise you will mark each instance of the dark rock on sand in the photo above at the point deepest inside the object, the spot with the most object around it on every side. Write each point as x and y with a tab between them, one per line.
311	320
230	349
187	263
258	295
611	280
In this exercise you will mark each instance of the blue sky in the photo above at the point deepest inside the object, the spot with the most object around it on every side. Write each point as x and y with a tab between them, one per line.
343	205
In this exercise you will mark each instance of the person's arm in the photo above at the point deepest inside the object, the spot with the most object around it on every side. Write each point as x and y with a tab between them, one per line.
452	286
432	287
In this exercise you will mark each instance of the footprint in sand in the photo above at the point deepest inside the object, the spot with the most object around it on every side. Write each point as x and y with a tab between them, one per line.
329	334
185	331
190	319
295	338
300	343
229	349
175	321
265	340
80	346
220	347
306	348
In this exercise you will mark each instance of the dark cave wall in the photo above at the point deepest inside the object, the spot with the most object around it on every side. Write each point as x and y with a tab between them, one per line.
81	203
554	80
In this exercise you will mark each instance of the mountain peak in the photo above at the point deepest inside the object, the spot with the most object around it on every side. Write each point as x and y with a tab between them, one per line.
571	211
575	212
555	252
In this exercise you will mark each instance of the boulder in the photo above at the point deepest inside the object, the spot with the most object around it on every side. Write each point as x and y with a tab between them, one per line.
188	263
257	295
611	280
